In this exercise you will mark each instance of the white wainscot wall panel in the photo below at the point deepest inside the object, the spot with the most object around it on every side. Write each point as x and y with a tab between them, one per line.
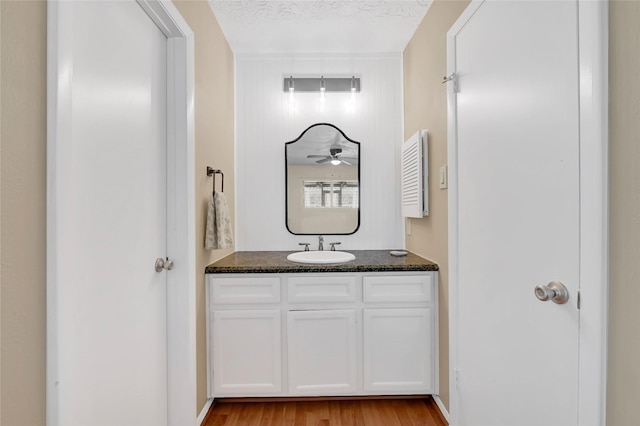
266	119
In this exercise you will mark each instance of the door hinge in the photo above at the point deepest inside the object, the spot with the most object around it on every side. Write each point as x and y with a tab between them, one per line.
579	303
453	78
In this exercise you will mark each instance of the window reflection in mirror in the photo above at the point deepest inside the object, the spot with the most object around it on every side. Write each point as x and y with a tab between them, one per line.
330	194
322	182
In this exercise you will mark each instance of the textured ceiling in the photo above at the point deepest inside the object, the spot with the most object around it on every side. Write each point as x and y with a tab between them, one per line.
318	26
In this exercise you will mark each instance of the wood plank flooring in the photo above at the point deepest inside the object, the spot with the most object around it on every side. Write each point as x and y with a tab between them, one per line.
379	412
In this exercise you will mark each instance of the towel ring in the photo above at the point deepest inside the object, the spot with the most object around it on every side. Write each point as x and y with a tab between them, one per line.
213	172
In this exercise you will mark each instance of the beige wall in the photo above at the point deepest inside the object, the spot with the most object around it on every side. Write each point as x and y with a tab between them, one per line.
214	146
623	392
23	180
23	186
23	190
425	107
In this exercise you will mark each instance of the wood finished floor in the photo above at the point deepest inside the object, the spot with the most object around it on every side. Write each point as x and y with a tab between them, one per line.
391	412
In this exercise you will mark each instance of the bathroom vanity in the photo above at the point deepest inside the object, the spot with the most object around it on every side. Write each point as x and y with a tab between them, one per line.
279	328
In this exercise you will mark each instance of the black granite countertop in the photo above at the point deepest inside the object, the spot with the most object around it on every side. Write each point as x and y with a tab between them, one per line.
272	262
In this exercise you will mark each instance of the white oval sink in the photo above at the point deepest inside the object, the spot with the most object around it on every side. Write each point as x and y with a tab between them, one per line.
321	257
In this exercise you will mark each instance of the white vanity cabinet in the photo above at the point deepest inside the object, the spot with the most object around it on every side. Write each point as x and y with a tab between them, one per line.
399	342
244	335
322	334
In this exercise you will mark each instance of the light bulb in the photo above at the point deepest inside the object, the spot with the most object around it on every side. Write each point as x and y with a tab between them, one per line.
335	162
353	84
291	84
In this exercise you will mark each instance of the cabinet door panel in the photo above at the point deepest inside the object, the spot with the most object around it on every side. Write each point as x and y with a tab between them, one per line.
322	352
245	290
398	350
398	288
322	289
247	352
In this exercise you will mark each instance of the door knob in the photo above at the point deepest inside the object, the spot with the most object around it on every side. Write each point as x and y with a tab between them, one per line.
554	291
163	264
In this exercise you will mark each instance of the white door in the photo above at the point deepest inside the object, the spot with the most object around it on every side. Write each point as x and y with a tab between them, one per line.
322	352
110	332
247	353
398	350
516	216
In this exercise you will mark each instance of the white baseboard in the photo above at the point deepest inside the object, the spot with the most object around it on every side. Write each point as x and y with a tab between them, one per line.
204	412
442	408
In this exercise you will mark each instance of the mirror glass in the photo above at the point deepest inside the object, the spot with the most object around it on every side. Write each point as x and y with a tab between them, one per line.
322	182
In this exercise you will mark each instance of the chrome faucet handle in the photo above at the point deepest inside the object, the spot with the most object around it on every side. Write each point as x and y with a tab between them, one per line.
333	246
306	246
320	243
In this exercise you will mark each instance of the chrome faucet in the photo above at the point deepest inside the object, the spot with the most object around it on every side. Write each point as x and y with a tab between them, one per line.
320	243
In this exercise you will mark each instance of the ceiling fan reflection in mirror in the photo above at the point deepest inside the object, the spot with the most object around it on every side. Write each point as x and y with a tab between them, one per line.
334	157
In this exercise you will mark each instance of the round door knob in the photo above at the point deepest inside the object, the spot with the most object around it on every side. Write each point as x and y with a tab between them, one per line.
168	264
554	291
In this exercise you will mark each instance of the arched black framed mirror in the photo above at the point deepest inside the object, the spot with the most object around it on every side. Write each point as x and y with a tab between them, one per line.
322	182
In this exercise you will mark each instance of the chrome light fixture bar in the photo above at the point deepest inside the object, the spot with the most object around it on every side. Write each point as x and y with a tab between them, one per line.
315	84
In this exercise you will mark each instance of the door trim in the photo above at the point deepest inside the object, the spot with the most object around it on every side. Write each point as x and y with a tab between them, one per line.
593	39
181	241
594	262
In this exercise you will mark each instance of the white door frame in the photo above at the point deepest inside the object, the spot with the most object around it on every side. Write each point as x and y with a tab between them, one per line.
594	263
181	293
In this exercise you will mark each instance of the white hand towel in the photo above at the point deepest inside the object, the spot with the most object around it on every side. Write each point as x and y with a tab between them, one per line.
218	233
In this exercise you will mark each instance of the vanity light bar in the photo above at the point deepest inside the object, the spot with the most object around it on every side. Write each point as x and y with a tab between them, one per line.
314	84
